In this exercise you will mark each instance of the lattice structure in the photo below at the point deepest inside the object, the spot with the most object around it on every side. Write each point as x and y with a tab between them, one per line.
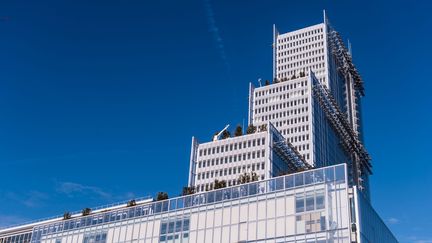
349	140
287	151
344	59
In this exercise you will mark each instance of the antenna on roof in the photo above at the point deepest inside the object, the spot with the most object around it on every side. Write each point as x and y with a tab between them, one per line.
324	16
349	48
243	127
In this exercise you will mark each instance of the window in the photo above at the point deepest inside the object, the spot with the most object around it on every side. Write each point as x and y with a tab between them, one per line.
319	199
95	238
174	229
299	204
310	201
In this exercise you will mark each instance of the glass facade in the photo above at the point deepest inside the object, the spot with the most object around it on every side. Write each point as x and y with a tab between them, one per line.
372	228
310	206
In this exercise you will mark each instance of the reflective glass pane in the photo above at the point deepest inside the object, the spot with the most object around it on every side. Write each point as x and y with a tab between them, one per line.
165	206
186	225
244	190
170	227
196	200
329	174
235	192
320	200
173	203
158	207
131	212
253	189
340	173
178	225
271	185
319	175
210	197
262	187
299	179
279	183
299	204
187	201
226	194
289	181
308	177
163	228
310	201
180	203
219	195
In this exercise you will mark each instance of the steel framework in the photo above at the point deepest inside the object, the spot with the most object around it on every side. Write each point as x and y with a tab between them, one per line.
349	140
346	66
287	151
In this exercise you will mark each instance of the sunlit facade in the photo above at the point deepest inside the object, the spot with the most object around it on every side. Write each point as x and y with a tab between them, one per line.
226	159
312	206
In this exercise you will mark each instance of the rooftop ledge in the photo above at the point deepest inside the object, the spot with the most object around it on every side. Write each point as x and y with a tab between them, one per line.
224	134
279	81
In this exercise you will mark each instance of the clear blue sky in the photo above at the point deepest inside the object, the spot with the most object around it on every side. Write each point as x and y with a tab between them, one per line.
99	99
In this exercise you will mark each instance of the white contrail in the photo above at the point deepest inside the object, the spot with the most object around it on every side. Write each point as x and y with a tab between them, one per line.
216	35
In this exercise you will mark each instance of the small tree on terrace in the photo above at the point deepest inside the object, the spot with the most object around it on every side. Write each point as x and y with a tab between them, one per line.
219	184
225	134
188	190
238	131
251	129
161	196
254	176
247	177
86	211
131	203
67	215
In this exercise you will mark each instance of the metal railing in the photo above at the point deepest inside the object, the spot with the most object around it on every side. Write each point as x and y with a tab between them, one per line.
107	206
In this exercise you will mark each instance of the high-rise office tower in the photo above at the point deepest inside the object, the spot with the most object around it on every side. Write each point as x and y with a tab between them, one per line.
311	64
320	48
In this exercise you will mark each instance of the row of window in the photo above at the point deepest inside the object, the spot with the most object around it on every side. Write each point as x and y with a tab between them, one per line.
21	238
292	51
301	55
288	113
291	85
302	65
298	36
230	159
100	237
292	121
232	146
300	42
229	171
301	138
283	105
310	201
174	229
